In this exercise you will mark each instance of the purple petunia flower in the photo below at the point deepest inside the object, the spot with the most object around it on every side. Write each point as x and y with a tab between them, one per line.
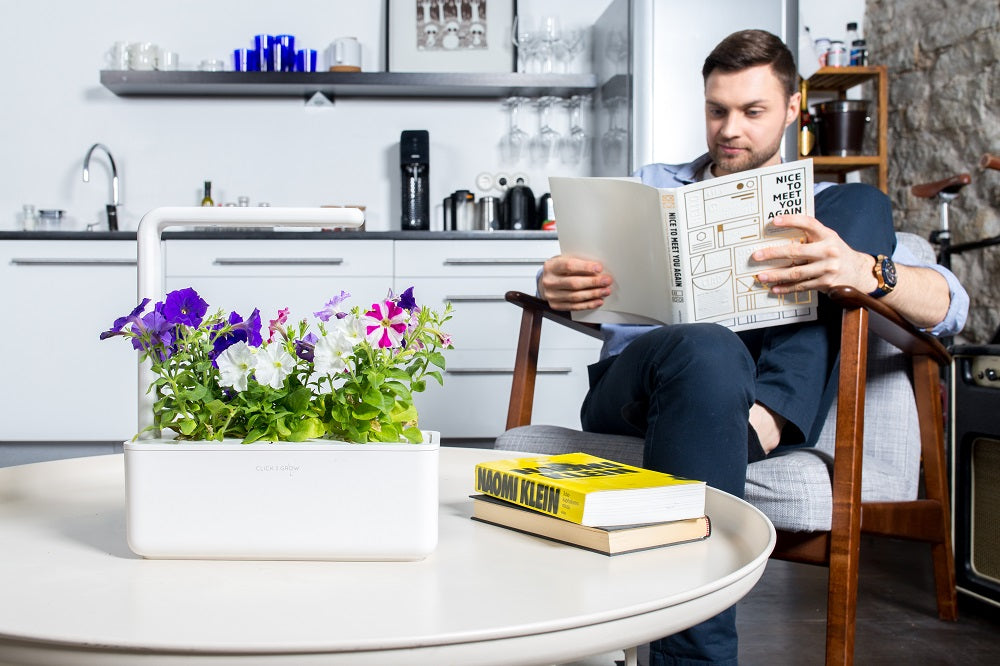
406	300
331	308
248	331
185	306
160	331
253	328
121	322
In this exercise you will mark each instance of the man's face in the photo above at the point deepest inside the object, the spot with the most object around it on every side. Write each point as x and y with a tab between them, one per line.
746	114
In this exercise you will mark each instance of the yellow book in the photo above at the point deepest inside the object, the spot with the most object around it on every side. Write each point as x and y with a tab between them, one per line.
593	491
607	540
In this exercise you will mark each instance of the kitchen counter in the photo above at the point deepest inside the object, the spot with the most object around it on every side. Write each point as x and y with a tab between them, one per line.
264	234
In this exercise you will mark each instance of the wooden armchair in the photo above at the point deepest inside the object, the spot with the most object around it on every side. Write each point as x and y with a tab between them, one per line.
839	510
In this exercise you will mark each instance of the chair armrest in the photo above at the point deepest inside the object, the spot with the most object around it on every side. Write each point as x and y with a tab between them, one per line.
890	326
537	305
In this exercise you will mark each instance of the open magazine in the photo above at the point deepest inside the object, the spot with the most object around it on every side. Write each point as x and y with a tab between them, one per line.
682	255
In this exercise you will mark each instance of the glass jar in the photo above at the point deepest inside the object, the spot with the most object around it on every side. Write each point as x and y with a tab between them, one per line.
51	219
29	218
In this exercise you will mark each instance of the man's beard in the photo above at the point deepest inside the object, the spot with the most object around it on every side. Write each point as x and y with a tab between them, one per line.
746	160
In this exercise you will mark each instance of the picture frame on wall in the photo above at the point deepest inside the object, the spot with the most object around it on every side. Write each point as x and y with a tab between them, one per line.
467	36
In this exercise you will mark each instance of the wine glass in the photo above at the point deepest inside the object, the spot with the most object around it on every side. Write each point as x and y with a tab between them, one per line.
573	44
544	142
573	147
512	143
527	41
613	141
551	46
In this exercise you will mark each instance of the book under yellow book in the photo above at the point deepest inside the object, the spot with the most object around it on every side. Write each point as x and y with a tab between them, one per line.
615	540
593	491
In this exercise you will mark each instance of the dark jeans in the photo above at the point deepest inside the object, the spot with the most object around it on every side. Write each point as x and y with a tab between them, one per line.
687	390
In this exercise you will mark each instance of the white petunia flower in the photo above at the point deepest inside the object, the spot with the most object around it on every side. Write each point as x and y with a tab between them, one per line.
273	364
331	351
235	365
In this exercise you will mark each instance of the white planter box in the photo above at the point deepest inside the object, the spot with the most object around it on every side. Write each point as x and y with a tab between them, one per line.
282	501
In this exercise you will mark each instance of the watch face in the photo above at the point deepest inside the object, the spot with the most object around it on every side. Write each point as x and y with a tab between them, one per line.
889	272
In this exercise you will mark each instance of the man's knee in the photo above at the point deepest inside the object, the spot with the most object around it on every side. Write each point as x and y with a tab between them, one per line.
705	352
860	214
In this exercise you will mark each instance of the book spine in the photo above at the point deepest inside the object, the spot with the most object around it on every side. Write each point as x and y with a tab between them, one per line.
542	496
673	236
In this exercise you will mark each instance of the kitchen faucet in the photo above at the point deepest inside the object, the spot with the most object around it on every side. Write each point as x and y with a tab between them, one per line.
112	207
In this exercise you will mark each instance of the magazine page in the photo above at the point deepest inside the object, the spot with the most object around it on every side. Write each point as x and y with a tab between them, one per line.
726	220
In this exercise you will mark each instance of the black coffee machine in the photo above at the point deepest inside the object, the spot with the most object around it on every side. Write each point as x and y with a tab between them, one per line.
415	168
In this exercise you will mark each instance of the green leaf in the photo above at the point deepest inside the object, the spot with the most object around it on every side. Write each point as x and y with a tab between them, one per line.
298	400
437	358
186	426
364	412
413	435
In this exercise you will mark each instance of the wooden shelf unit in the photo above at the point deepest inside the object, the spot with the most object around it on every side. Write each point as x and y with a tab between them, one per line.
839	80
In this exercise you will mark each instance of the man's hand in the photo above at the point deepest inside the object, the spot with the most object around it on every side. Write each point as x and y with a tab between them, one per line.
822	262
569	283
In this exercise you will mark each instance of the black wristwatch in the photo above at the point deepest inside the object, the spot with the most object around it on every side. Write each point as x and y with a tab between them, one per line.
885	272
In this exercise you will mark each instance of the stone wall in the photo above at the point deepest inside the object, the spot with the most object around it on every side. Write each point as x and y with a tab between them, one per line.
944	113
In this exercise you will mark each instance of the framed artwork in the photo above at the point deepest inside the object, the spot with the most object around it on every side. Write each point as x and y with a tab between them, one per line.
450	36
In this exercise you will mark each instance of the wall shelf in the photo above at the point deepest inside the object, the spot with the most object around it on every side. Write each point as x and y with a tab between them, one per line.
343	84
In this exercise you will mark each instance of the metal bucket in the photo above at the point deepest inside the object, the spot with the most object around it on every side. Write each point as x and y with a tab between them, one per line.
840	126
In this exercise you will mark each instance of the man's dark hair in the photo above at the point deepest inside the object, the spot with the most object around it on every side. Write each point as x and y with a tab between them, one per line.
750	48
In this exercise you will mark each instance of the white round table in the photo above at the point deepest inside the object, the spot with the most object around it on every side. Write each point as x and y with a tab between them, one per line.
72	591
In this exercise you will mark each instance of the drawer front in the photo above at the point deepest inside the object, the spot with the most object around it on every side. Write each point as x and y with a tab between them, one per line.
286	258
303	296
70	254
483	319
473	401
473	258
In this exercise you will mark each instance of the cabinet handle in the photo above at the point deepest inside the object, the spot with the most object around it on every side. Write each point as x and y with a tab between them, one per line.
505	371
474	298
73	262
495	261
290	261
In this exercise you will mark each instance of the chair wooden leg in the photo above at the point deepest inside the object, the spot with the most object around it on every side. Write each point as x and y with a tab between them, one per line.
927	390
522	391
845	528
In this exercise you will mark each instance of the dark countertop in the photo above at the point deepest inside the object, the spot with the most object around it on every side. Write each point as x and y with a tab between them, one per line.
263	234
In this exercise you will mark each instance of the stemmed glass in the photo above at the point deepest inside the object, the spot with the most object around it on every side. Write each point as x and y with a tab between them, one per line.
573	44
551	47
527	41
573	147
543	144
512	143
613	141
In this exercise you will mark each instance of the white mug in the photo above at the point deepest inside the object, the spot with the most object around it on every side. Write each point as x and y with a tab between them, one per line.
168	61
345	55
117	56
142	55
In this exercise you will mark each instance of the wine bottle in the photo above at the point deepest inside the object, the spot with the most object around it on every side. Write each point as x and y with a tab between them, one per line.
207	199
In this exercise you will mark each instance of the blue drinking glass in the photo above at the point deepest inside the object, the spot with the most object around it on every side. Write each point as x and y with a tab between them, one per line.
246	60
286	44
263	45
305	60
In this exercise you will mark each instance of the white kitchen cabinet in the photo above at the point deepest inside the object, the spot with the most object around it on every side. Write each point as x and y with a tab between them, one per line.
272	274
60	381
474	276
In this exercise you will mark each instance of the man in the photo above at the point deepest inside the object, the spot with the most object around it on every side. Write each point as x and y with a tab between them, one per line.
697	392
